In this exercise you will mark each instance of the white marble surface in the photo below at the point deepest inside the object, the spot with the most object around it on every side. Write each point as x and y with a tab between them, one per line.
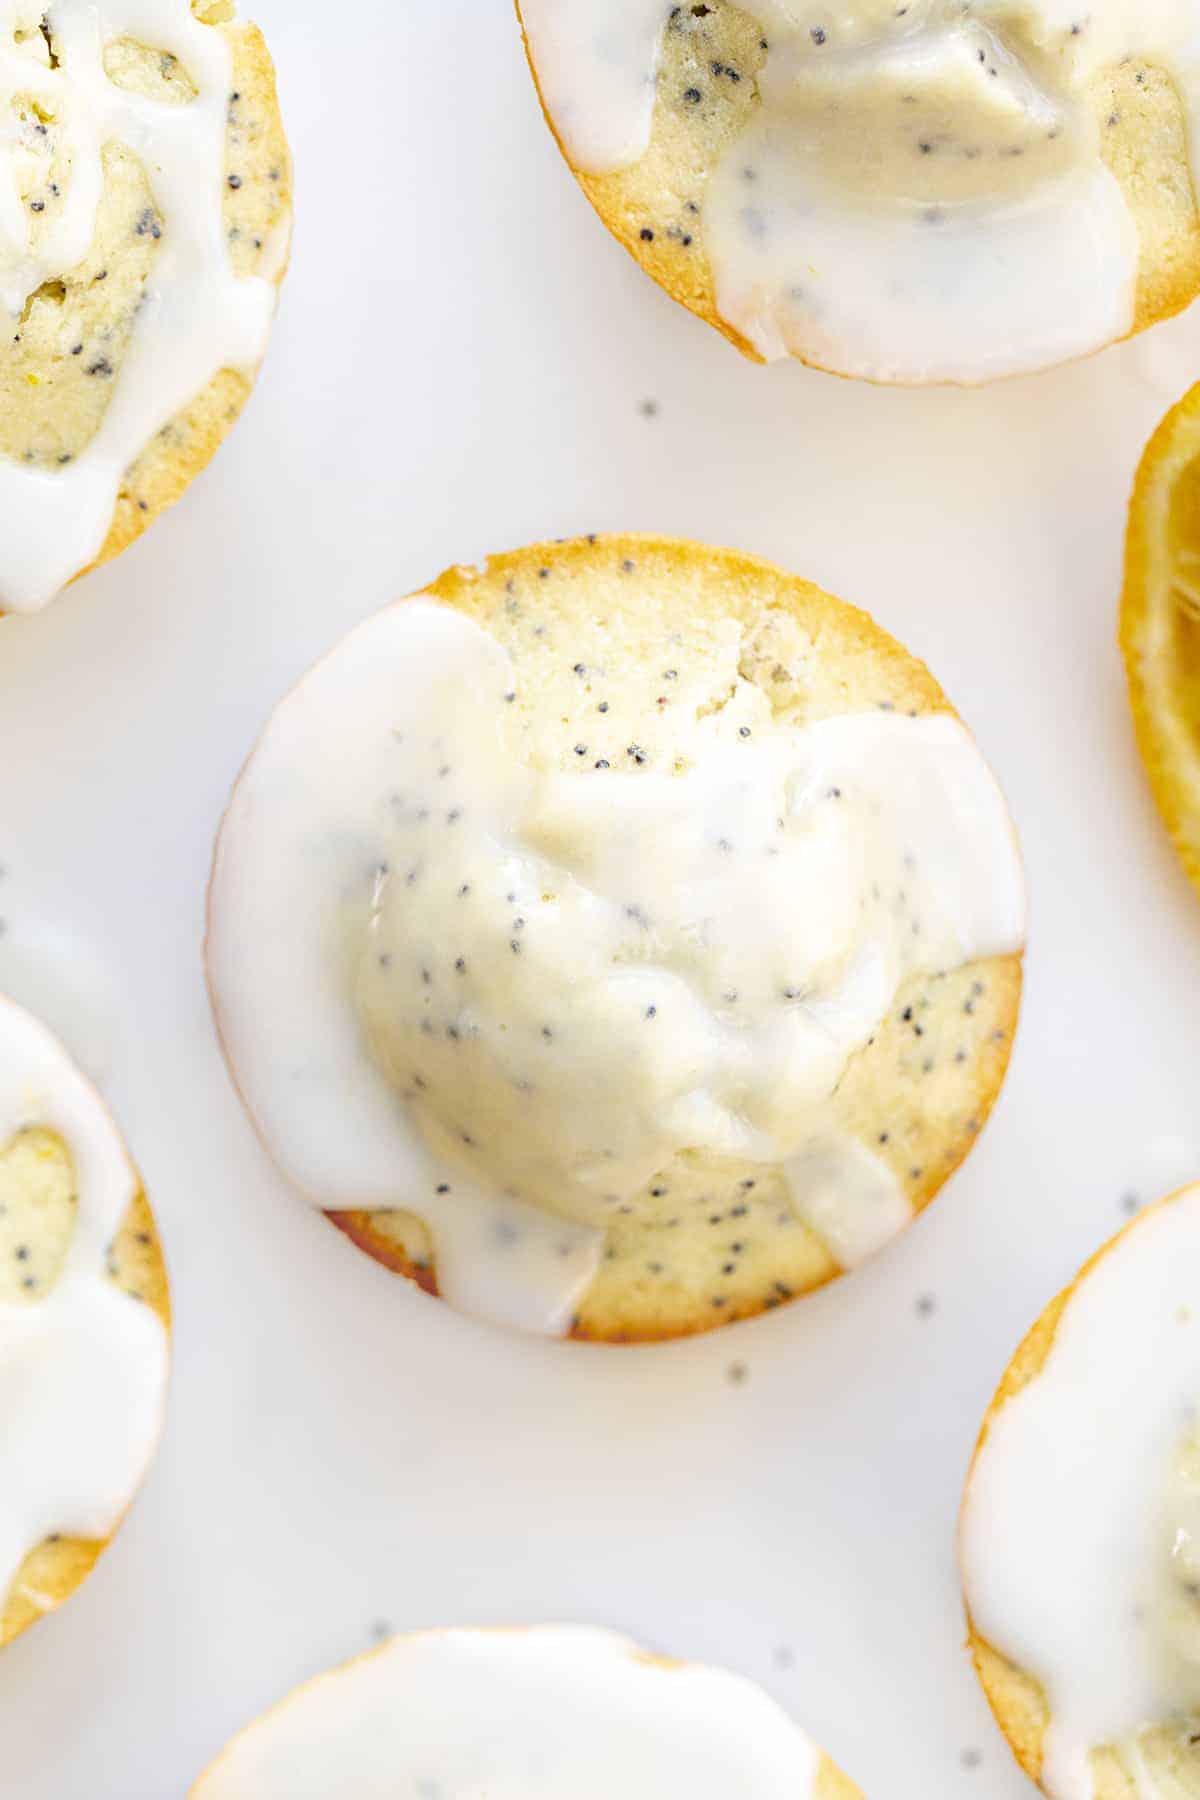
464	361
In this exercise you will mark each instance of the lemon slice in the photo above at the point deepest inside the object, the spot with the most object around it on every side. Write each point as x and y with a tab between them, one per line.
1160	622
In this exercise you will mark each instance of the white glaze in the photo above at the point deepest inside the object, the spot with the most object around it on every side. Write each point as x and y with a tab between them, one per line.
518	1715
392	825
82	1372
847	1195
198	317
1079	1518
896	207
605	120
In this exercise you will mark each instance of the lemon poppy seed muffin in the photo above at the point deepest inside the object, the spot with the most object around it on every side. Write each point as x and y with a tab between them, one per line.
920	193
608	672
619	939
84	1322
1080	1529
144	230
523	1715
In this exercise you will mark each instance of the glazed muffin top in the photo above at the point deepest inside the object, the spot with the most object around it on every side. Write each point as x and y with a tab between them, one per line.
83	1324
943	191
1080	1537
144	220
630	929
521	1715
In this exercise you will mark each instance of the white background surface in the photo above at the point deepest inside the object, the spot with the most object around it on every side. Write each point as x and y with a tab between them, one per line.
459	366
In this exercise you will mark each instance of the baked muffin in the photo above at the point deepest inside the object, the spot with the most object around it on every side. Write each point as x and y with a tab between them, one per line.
144	229
538	1713
1080	1532
619	938
84	1322
914	193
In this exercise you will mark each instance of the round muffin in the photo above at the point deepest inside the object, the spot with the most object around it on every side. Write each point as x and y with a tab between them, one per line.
1080	1529
84	1325
523	1715
619	938
888	192
140	256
